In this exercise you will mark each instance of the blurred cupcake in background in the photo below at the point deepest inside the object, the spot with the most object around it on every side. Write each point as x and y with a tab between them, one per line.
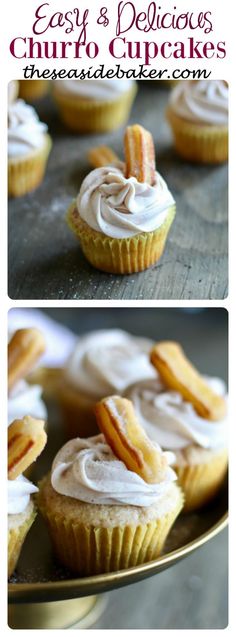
94	106
198	115
102	362
29	146
32	90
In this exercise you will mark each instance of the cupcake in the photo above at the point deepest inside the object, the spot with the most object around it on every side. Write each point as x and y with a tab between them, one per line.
170	414
94	106
198	115
26	440
31	90
123	212
110	500
28	149
101	363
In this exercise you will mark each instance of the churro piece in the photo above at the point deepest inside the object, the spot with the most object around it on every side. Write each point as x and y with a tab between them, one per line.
26	440
180	375
117	421
49	378
102	156
139	154
24	349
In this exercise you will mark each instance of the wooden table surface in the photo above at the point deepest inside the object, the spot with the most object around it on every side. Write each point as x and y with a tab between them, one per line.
45	260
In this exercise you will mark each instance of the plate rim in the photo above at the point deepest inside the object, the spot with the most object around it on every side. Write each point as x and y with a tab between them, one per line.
17	592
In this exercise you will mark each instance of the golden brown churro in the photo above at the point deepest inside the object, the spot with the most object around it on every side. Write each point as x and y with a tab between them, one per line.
139	154
102	156
24	349
180	375
117	421
26	440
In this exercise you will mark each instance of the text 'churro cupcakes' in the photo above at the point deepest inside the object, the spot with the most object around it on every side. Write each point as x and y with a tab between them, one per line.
102	362
186	413
94	106
198	115
26	440
110	500
123	212
28	148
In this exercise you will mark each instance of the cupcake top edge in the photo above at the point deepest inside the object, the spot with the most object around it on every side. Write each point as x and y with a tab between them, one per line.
122	207
26	132
88	470
201	101
93	90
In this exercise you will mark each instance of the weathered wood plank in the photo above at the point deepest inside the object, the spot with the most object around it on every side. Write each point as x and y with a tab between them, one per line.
45	260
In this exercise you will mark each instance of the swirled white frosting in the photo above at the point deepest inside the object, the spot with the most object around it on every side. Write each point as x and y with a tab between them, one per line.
99	90
201	101
86	469
173	422
120	207
26	399
107	361
19	491
25	131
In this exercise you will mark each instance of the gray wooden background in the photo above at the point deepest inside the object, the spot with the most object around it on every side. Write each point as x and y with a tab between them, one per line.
45	260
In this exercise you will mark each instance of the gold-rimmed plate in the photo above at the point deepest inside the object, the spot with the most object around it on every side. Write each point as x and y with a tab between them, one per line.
40	578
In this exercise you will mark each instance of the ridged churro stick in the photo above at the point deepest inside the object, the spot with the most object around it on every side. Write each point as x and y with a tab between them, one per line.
117	421
24	349
180	375
139	154
26	440
102	156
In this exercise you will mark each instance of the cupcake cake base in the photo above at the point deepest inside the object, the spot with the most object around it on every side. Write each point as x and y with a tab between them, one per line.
120	256
91	539
26	173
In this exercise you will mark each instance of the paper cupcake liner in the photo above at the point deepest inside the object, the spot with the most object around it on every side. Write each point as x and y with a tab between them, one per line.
120	256
90	550
16	539
199	143
200	483
91	116
24	175
31	90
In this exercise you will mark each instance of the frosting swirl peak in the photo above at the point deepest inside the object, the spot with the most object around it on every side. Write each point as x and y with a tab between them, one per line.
25	131
201	101
86	469
120	207
108	361
172	421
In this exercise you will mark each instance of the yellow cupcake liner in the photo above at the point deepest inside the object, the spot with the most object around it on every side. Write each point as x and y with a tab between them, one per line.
120	256
16	539
31	90
26	173
90	550
200	483
197	142
91	116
